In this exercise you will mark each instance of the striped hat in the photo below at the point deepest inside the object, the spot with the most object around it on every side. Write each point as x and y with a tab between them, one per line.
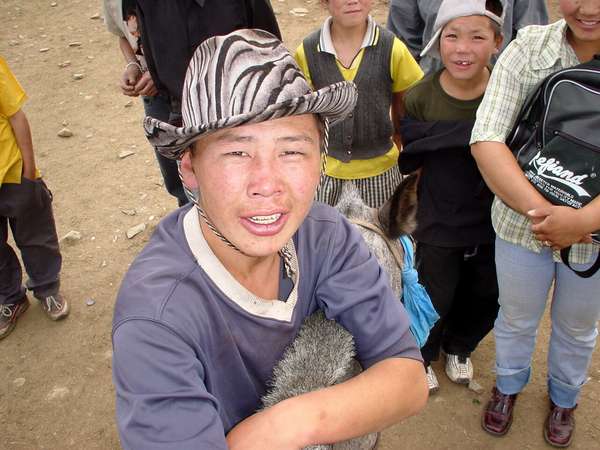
245	77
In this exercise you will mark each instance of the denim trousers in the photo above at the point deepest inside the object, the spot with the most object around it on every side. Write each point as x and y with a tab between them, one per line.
159	107
524	281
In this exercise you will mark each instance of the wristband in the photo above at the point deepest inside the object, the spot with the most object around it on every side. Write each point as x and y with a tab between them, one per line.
136	64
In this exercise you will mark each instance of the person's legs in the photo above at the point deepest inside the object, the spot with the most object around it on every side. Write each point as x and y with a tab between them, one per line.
524	279
438	269
575	313
376	190
475	305
34	232
11	274
160	108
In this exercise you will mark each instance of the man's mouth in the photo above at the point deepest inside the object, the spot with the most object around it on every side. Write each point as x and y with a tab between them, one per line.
588	23
265	220
463	63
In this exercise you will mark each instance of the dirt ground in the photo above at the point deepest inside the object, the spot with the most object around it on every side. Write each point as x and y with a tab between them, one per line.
57	391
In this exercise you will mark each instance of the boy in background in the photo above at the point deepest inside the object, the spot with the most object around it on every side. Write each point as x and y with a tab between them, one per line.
455	249
364	148
25	205
413	22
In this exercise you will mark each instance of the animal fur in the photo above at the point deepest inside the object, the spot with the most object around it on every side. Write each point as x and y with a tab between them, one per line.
323	353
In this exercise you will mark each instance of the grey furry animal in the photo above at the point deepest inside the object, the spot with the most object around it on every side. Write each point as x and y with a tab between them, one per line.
323	353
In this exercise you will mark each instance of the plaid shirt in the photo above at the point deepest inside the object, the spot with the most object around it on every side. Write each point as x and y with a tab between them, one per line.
537	52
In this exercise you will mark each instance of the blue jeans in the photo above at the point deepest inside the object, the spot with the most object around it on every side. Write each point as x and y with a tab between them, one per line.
524	280
159	107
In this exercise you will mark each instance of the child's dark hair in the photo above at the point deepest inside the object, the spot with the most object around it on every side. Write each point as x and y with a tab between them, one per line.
495	6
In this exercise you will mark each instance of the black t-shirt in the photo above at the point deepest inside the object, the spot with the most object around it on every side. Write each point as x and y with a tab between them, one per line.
173	29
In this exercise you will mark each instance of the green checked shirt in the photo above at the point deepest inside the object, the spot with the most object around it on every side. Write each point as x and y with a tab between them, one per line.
537	52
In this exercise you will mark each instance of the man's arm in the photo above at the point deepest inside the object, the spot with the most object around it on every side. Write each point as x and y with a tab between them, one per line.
339	412
405	21
20	126
398	113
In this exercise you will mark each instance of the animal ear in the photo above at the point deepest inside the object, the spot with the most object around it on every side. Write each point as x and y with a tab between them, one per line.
398	216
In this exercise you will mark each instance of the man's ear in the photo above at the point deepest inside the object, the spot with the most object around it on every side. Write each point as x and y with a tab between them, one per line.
187	171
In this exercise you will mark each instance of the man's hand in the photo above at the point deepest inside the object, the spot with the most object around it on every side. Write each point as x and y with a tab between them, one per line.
560	226
259	432
130	77
145	86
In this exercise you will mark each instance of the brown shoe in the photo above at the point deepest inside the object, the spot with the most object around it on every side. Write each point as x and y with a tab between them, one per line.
559	426
55	306
498	414
9	314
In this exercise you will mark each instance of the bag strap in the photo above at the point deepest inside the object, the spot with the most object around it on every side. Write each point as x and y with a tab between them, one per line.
564	255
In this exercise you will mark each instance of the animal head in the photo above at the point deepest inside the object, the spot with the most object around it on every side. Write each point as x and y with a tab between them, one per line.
398	216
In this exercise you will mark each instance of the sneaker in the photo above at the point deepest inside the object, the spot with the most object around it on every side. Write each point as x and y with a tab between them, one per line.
432	381
459	368
9	314
55	306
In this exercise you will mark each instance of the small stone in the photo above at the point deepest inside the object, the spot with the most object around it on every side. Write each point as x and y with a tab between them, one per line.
89	136
128	104
475	387
125	153
65	123
75	44
299	12
129	212
78	76
95	16
151	218
64	64
65	133
134	231
53	4
90	57
103	264
57	393
44	50
88	97
90	302
19	381
159	182
72	236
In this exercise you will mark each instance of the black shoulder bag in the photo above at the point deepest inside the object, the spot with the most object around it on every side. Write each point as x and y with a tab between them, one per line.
556	140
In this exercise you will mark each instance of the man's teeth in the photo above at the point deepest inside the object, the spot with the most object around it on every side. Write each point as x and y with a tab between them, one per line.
589	22
463	63
265	220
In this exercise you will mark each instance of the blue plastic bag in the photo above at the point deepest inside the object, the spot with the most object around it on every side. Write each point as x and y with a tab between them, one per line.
415	298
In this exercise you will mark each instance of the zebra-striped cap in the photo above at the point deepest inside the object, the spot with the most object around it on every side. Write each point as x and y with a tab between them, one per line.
245	77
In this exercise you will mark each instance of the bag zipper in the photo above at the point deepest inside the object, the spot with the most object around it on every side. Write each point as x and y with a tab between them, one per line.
576	140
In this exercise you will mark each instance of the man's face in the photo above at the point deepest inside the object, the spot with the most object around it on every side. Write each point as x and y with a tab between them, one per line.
583	18
257	182
467	45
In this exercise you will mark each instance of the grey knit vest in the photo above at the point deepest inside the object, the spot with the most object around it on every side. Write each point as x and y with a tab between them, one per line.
367	131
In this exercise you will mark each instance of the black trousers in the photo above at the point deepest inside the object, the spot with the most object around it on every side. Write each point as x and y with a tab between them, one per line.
463	287
27	209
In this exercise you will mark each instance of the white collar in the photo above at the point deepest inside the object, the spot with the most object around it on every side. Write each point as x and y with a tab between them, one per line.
233	290
326	44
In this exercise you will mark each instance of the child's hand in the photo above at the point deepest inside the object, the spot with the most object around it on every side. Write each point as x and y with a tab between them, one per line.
558	226
28	171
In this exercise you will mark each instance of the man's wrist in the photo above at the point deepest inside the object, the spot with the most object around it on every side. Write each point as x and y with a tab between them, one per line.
134	64
294	420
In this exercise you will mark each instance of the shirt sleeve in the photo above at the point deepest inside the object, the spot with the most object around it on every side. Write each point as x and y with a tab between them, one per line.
504	95
12	95
356	293
405	71
112	15
404	20
529	12
300	58
161	400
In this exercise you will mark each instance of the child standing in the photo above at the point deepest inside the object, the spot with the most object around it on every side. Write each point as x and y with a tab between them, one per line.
455	239
25	205
530	230
364	148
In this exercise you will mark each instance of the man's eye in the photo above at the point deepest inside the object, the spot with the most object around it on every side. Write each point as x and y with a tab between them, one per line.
479	38
450	36
236	153
292	153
